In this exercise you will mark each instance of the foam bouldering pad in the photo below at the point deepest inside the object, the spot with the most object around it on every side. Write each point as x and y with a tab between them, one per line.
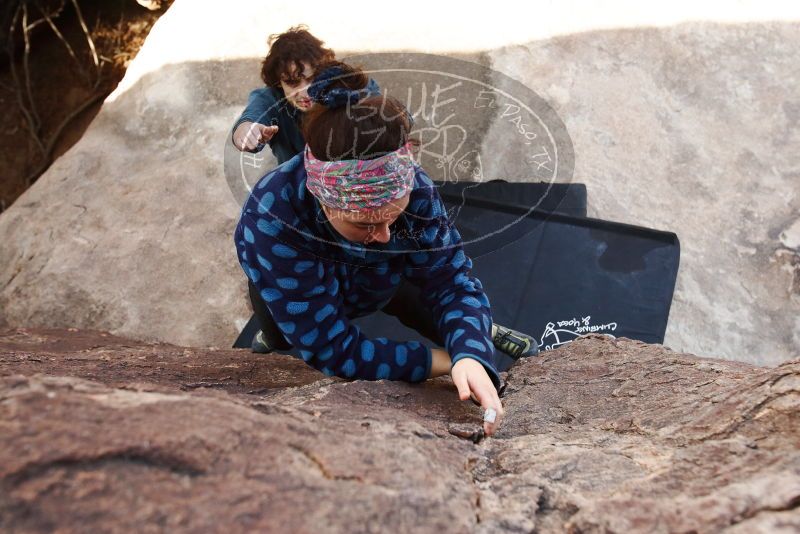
561	277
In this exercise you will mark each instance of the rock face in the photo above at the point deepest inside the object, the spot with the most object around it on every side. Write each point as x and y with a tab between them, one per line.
99	433
688	127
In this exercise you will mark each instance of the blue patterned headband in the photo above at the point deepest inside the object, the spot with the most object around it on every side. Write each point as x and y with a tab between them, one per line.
339	96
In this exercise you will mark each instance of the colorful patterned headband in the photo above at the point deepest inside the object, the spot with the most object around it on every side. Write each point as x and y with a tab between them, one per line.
360	184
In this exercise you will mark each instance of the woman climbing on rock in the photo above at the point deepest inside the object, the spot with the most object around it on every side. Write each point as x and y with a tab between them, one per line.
351	226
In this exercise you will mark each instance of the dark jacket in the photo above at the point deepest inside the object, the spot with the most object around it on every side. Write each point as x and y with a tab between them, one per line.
313	281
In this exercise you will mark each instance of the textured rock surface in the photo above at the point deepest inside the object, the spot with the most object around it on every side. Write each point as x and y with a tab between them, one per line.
681	126
99	433
690	129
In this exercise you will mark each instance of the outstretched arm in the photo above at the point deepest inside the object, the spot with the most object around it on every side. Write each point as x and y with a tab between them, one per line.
255	126
442	271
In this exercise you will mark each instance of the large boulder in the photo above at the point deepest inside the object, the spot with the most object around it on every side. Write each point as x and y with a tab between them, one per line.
104	434
680	119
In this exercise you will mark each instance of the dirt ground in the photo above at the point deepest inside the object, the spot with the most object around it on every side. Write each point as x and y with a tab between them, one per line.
58	87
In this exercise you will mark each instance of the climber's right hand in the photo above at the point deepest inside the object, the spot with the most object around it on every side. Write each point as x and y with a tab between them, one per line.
248	135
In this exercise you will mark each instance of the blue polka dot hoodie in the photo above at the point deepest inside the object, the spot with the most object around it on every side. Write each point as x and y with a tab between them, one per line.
313	280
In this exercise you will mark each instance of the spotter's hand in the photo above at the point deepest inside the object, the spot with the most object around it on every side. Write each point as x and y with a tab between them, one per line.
248	135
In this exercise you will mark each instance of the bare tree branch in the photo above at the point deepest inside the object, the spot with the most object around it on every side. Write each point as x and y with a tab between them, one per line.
35	23
51	13
23	88
48	17
26	67
29	119
89	40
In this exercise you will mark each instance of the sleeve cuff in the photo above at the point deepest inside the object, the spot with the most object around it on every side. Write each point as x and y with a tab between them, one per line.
242	119
428	363
490	370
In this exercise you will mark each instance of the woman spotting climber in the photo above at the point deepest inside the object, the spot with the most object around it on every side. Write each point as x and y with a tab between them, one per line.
274	111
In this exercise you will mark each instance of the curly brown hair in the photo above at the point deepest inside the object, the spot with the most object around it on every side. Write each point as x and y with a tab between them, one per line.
288	51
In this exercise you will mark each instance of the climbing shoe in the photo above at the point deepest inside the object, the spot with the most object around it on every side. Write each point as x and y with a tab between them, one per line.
260	344
515	344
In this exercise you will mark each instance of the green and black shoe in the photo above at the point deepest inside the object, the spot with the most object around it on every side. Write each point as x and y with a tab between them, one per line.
269	341
260	345
516	344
